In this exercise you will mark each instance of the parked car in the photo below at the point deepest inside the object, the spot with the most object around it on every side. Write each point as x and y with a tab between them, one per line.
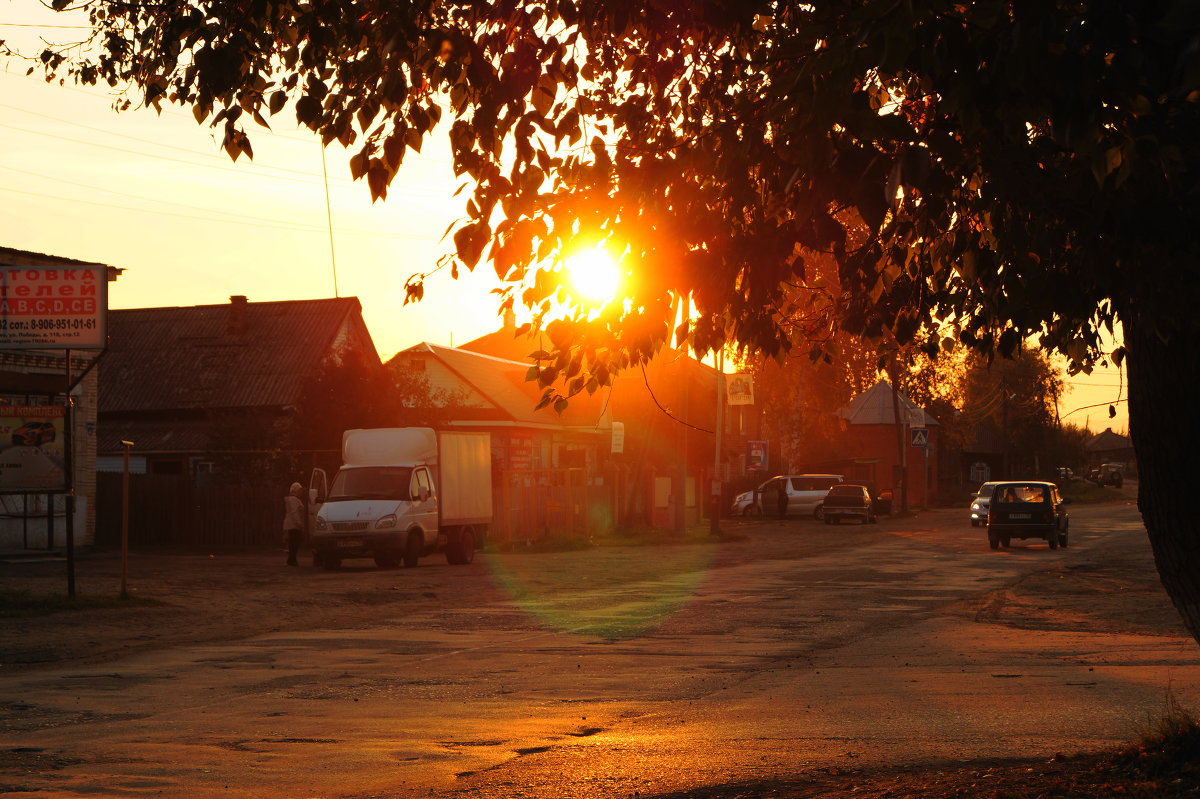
849	501
881	501
33	434
979	504
805	492
1109	474
1027	510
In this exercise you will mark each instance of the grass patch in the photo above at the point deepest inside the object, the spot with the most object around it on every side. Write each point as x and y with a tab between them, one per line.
22	603
1085	492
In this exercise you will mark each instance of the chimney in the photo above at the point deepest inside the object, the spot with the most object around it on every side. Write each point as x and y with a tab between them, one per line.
510	320
237	314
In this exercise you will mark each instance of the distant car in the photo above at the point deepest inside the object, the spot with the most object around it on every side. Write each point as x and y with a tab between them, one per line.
805	492
979	504
1109	474
33	434
1027	509
849	501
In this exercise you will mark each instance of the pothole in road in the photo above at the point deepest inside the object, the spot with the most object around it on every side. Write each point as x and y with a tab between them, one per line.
532	750
584	732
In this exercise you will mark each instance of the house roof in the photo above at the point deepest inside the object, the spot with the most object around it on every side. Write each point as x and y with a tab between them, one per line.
1107	442
502	382
874	406
153	435
11	257
191	358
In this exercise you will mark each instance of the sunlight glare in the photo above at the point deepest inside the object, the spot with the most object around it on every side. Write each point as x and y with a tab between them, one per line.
594	274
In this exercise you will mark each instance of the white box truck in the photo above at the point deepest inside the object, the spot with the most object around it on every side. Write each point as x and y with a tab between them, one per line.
401	493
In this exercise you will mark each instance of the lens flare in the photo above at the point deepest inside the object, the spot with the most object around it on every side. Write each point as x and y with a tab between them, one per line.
594	275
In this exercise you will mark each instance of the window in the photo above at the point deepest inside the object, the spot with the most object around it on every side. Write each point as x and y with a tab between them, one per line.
424	482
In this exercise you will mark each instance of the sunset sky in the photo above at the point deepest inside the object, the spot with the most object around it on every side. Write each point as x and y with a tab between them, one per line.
155	195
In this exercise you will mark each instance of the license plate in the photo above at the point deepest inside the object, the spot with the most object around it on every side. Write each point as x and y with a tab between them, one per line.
349	542
1019	516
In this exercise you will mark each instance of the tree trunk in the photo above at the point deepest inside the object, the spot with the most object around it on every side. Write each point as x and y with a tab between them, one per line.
1166	437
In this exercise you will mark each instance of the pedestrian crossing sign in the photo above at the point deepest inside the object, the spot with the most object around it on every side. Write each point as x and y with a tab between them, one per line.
919	436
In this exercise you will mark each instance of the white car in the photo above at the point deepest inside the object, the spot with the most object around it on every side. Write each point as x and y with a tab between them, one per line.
806	495
980	502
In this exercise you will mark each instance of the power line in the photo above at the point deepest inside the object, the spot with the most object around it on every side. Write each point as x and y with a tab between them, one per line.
1097	405
154	155
294	228
202	209
37	25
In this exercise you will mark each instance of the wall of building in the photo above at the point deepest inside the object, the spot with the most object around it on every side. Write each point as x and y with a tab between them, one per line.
878	442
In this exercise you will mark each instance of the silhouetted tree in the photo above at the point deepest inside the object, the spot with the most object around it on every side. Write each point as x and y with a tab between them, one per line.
1020	169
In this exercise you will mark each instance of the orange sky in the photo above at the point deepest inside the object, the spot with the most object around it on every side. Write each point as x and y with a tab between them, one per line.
156	195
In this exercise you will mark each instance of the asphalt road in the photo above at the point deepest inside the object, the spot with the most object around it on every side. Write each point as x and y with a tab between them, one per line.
636	670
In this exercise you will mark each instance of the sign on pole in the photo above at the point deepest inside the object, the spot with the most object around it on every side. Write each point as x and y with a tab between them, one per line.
53	307
919	436
618	438
32	448
756	455
739	389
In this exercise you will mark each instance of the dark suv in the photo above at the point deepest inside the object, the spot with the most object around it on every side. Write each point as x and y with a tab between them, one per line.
1027	510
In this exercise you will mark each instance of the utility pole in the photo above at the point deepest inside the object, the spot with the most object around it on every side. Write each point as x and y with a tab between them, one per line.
901	438
714	523
681	521
1004	426
125	445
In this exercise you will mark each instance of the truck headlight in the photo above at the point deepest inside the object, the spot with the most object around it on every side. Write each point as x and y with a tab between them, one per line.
321	525
975	506
386	523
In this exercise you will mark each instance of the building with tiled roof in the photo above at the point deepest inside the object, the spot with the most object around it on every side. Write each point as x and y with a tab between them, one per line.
171	375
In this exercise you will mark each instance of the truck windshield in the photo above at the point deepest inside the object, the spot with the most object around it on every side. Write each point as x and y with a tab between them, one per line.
371	482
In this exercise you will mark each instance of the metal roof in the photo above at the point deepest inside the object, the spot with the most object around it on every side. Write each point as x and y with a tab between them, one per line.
502	382
1108	441
201	357
874	406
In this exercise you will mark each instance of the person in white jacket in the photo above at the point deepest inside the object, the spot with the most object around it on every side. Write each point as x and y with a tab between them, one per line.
293	521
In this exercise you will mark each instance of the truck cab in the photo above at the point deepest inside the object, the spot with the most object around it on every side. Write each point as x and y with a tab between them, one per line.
402	493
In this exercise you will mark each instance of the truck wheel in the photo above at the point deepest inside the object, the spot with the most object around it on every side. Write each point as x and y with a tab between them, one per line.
993	540
412	549
316	559
462	550
386	561
1053	540
331	562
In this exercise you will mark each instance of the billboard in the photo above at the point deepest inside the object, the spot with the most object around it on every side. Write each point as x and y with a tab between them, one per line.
32	449
53	307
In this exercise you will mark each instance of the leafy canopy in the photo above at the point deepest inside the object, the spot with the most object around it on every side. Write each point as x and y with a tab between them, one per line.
987	171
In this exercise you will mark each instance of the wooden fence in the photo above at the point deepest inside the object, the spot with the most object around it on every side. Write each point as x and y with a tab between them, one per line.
170	510
535	504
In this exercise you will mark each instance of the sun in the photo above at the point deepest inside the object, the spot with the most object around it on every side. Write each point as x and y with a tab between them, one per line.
594	274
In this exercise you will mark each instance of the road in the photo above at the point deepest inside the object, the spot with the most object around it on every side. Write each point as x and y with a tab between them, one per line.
798	647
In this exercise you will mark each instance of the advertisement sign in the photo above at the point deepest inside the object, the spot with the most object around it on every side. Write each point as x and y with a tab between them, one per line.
739	389
618	437
52	307
756	455
32	453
